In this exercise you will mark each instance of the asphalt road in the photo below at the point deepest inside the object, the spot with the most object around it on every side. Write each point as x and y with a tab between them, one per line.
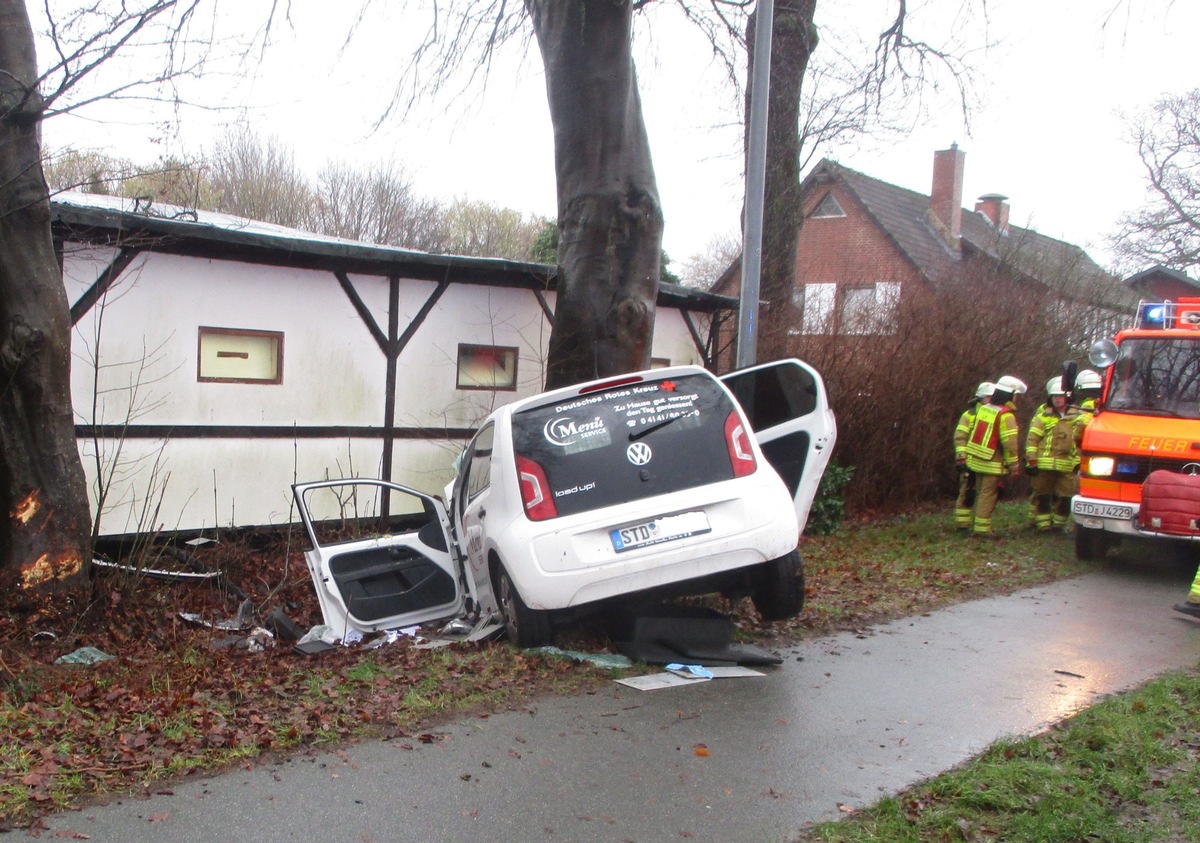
844	721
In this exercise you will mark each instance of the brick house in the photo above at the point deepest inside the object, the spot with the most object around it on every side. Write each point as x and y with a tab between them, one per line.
904	301
1161	282
864	244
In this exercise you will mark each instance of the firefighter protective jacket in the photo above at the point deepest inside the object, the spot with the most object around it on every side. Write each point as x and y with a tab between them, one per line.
994	443
963	430
1051	442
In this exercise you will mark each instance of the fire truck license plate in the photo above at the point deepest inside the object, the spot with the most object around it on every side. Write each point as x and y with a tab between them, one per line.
1102	510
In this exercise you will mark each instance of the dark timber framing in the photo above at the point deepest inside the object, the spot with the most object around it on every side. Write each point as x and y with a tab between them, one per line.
105	280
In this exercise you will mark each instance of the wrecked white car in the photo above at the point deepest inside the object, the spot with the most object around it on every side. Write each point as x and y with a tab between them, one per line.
654	483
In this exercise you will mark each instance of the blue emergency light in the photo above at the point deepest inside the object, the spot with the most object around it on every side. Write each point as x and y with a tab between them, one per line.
1152	315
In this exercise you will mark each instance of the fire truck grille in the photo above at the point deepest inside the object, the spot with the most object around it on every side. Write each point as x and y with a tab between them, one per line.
1137	469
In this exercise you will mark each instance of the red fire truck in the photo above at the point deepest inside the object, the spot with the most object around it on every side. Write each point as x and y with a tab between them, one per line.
1140	468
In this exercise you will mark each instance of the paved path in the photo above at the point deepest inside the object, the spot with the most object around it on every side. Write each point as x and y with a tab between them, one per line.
844	720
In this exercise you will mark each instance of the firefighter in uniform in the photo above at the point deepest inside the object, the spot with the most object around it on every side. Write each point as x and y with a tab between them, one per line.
1051	457
1032	498
1191	606
1087	389
1088	386
965	505
993	450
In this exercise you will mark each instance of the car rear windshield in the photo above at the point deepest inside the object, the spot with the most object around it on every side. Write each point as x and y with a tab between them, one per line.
630	442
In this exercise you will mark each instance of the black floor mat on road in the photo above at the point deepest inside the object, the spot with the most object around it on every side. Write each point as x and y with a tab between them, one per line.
662	634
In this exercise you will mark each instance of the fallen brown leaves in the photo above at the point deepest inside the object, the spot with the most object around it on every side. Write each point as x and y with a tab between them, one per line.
171	701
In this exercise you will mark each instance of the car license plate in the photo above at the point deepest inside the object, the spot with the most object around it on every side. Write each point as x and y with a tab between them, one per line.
664	529
1102	510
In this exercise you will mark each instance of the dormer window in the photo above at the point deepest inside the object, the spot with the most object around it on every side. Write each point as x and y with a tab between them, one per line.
827	208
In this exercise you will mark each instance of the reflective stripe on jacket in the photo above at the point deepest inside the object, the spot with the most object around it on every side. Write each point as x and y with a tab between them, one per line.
994	441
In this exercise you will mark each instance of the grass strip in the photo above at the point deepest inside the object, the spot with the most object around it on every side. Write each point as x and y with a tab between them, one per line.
1126	770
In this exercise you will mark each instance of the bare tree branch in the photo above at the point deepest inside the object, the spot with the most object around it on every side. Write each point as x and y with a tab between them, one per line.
1167	229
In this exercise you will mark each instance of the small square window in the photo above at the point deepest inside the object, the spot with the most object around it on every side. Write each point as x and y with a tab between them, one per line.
660	362
232	355
487	367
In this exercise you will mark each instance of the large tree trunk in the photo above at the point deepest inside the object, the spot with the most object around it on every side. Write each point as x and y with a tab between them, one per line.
793	39
609	218
43	497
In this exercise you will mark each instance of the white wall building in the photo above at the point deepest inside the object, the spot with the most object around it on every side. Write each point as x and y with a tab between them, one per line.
217	360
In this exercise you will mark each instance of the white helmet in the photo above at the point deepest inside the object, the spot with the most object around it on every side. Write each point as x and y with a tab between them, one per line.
1011	385
1087	379
1054	386
985	390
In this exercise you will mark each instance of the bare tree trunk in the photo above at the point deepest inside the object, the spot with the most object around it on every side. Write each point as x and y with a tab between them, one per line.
45	526
609	217
793	40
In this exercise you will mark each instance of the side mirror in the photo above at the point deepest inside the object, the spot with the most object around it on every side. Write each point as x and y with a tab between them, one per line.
1069	373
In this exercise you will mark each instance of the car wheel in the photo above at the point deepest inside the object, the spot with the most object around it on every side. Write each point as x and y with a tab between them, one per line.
779	588
525	627
1090	544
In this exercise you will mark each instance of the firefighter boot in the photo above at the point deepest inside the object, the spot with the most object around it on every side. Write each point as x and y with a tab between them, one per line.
1188	608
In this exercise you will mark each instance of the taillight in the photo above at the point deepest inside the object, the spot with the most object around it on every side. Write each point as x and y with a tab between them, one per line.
737	438
534	490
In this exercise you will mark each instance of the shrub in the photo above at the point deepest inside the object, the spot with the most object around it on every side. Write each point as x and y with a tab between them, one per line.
829	505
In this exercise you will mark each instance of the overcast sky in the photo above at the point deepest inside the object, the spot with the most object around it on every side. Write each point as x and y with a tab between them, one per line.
1046	127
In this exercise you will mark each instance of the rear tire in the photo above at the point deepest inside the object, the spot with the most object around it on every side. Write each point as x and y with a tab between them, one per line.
1090	544
779	588
525	627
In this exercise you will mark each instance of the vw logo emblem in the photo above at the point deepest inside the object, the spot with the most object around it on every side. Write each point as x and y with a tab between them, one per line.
639	453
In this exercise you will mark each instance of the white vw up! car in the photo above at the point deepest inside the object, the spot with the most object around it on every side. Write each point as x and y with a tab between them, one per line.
651	483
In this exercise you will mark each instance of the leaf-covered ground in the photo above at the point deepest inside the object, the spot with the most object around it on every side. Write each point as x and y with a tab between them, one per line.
175	698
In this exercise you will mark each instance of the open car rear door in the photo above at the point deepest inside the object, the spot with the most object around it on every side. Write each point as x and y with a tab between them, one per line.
788	409
380	555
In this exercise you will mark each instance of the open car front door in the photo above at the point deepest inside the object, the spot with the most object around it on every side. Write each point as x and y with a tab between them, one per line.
380	555
788	409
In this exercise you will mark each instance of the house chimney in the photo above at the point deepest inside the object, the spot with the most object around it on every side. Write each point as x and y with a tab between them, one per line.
945	199
995	208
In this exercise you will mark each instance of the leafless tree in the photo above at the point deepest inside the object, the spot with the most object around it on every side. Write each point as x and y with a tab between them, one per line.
258	178
486	229
1167	229
90	172
45	526
609	215
704	268
793	40
376	205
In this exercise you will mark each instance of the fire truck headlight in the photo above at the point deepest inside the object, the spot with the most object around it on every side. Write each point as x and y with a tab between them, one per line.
1101	466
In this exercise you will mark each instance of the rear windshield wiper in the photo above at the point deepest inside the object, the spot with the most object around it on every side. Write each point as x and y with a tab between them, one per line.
646	431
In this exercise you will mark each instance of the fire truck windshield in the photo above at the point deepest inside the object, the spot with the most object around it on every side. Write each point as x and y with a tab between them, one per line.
1156	377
